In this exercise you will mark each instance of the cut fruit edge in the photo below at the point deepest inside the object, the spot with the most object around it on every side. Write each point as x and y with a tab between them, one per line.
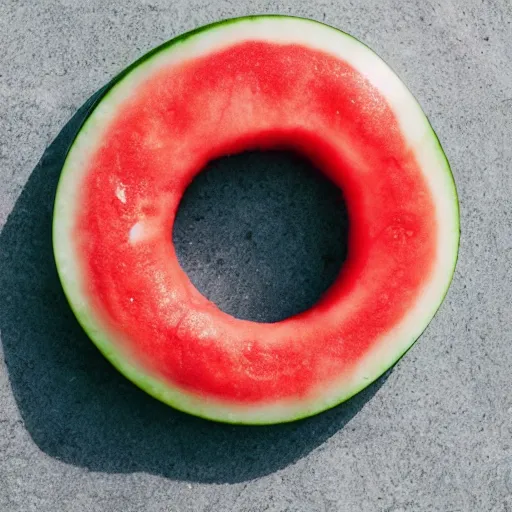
416	130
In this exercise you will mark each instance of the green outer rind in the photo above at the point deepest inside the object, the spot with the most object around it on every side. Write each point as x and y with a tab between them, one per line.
134	374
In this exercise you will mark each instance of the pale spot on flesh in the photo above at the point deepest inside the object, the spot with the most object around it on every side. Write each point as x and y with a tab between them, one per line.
121	193
137	232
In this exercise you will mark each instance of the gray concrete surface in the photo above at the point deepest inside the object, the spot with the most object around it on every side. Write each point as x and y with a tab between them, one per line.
435	435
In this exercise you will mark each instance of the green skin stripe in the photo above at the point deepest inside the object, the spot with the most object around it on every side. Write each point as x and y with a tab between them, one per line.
156	388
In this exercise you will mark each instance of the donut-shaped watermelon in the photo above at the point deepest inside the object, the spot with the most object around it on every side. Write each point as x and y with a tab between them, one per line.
264	82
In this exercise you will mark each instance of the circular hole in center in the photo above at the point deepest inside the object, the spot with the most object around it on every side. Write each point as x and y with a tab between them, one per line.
262	234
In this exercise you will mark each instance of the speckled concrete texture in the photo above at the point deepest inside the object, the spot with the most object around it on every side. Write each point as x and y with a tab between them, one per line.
434	435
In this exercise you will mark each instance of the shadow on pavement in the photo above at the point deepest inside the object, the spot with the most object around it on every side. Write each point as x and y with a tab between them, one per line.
78	409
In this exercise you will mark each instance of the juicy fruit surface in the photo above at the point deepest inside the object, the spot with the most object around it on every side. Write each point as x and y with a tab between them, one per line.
248	96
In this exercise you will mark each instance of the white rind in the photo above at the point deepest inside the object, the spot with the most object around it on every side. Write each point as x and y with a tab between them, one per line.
416	130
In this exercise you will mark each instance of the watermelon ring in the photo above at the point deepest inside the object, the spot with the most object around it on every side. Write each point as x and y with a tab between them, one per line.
261	82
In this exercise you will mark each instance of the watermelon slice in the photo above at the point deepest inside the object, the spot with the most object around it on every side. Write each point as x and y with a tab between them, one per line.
263	82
